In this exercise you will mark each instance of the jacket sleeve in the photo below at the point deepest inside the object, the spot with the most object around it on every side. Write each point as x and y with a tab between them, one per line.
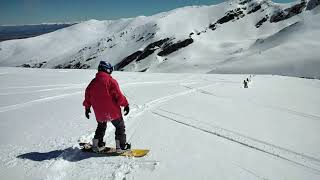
116	93
87	102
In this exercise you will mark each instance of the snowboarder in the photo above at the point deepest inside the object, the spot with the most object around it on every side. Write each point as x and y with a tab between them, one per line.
104	95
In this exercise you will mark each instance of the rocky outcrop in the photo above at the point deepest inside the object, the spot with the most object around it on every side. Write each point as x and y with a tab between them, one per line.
255	8
244	2
165	44
170	48
140	55
141	38
71	65
127	60
274	18
263	20
312	4
144	70
91	58
288	13
151	48
34	65
230	16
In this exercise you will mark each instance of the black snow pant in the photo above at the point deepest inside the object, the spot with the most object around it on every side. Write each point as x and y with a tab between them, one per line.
120	131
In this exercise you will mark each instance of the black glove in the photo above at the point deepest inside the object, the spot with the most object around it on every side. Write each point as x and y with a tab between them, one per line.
126	110
87	113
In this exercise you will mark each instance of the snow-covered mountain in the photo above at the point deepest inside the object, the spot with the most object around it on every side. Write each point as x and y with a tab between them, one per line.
239	36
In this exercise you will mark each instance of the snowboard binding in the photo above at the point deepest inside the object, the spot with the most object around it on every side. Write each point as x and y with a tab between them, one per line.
126	146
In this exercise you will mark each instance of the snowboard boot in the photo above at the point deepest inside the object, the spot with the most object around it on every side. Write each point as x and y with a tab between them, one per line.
122	147
101	143
95	145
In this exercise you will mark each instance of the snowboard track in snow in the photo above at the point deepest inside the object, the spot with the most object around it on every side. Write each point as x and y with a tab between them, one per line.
292	156
247	137
301	159
41	90
296	158
297	113
21	105
43	86
120	169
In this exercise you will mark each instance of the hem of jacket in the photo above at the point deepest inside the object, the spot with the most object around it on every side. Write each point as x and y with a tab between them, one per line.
108	120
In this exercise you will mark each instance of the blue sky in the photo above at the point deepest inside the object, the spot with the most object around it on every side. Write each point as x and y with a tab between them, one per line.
41	11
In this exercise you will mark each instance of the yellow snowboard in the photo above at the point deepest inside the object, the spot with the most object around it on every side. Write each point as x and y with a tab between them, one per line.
109	151
135	153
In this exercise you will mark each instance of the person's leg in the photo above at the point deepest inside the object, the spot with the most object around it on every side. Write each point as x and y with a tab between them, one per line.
120	132
100	132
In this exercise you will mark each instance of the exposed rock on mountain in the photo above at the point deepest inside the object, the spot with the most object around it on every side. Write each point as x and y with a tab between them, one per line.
170	48
288	13
255	8
312	4
263	20
230	16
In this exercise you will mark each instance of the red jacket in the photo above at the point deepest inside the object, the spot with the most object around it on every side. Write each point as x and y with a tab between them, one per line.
104	95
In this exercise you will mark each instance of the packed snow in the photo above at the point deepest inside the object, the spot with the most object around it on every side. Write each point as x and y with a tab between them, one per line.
238	36
197	126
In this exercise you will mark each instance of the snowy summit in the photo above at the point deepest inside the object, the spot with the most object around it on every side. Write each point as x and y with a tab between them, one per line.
240	36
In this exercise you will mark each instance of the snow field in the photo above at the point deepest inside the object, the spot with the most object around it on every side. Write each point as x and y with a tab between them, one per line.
197	126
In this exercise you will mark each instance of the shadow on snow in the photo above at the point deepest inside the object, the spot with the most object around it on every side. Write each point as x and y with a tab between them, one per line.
69	154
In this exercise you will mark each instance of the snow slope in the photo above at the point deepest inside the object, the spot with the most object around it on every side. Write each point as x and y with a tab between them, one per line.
197	126
239	36
287	52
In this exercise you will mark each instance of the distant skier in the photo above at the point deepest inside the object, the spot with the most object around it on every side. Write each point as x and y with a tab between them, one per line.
104	95
245	84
